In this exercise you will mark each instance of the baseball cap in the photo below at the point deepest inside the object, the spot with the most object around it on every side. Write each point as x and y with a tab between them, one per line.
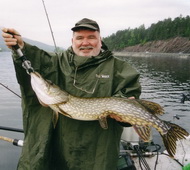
86	23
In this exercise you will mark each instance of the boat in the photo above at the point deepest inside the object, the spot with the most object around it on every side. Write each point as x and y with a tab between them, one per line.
140	155
137	155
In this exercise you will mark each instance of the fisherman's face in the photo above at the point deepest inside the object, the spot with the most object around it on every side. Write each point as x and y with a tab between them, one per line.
86	43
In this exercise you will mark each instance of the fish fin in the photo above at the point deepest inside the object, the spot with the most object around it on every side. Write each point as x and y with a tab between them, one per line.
55	118
63	113
56	112
103	122
143	132
152	107
57	108
174	134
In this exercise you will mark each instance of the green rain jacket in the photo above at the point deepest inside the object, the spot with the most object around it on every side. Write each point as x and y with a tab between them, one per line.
73	144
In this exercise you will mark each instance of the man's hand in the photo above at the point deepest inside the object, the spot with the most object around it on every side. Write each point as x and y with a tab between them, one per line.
12	37
132	97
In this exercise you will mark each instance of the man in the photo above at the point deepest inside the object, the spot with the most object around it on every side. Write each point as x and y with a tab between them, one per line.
86	69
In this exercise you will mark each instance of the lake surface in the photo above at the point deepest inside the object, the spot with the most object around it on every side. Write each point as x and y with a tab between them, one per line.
10	113
163	80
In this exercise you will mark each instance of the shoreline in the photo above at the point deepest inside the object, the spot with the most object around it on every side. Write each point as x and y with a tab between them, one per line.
151	54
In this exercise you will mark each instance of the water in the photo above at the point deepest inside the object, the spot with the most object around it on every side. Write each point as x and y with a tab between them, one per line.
10	113
163	80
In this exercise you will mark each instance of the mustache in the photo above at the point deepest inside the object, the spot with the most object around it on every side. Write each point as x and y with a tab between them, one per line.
86	47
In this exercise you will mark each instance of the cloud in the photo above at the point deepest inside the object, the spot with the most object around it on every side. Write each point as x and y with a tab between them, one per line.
29	18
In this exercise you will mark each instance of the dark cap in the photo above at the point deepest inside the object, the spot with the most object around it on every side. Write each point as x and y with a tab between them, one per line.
86	23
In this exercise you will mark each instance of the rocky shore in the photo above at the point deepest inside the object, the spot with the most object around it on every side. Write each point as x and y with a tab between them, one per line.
176	46
150	54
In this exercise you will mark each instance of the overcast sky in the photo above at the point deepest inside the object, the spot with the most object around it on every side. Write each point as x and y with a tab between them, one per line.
29	18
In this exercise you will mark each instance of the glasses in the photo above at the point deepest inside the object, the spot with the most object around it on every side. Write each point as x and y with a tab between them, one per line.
82	89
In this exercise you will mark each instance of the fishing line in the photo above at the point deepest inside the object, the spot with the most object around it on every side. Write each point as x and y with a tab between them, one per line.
183	151
10	90
49	25
173	159
156	162
141	158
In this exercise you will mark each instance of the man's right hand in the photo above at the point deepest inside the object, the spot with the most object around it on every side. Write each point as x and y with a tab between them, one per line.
12	37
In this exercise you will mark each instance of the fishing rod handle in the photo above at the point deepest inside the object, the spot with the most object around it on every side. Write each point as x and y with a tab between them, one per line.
17	142
25	63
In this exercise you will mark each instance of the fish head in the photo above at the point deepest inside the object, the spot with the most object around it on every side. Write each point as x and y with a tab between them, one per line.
46	91
38	81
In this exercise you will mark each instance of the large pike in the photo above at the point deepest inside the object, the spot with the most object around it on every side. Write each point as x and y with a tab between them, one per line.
140	114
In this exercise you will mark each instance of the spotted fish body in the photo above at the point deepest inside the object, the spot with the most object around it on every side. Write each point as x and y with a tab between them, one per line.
127	110
140	114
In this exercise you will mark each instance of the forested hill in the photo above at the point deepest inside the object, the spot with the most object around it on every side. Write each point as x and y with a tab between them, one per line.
166	31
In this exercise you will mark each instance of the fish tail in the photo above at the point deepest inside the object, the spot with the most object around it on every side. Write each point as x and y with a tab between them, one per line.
174	134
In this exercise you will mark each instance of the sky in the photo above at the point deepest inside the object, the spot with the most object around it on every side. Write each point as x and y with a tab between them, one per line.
28	17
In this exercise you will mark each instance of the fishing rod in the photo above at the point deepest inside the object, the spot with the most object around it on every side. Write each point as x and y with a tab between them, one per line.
16	142
51	30
11	129
27	65
10	89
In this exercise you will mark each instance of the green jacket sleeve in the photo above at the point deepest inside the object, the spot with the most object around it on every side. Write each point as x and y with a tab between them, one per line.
37	145
42	62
